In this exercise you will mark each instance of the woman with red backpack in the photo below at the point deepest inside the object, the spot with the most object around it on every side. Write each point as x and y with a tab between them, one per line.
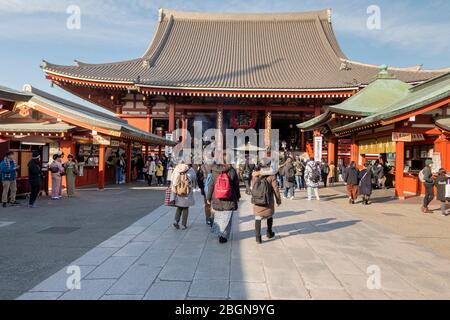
223	195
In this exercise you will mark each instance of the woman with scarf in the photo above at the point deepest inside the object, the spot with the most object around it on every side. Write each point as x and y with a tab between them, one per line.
8	170
223	195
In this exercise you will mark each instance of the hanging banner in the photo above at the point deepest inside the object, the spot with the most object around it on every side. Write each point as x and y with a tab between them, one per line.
407	137
115	143
97	139
318	146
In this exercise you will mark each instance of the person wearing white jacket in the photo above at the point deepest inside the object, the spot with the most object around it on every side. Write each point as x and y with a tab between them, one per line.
150	169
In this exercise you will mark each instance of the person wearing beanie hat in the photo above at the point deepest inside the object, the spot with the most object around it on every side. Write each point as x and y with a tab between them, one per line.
34	178
426	176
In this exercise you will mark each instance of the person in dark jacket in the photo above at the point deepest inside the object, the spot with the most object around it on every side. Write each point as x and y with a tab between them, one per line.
247	170
288	173
34	178
365	183
429	186
224	209
441	182
140	167
351	178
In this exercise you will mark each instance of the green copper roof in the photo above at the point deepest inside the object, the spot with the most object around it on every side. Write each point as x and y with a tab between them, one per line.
417	97
315	122
382	92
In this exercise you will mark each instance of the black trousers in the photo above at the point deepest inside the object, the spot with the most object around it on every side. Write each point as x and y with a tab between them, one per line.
35	188
429	194
258	226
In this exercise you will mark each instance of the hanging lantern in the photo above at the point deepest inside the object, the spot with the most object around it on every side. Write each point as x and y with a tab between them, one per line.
243	119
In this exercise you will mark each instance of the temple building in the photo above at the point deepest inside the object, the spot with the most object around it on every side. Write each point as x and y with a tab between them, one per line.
396	123
229	70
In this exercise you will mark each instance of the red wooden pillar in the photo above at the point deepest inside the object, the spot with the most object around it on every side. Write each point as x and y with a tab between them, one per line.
442	145
399	169
146	152
149	119
101	168
171	116
128	155
268	129
354	151
332	150
67	147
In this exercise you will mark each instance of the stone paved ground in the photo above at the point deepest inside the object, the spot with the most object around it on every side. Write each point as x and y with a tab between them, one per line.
321	252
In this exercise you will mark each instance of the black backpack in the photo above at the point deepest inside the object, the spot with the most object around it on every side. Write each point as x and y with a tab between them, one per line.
315	175
290	175
261	192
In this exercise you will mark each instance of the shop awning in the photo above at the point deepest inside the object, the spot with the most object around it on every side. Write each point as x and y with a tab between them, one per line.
444	124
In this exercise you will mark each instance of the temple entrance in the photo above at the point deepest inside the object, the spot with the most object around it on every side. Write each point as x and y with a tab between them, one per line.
290	136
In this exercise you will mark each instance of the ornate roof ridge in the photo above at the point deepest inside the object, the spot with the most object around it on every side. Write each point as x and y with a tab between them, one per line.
324	14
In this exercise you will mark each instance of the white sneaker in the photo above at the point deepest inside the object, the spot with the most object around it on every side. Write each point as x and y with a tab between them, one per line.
292	198
309	199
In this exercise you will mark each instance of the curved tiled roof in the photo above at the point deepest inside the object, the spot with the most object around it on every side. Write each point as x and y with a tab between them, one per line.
205	51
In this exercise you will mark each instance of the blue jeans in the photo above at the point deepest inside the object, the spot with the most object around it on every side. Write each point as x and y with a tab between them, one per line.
119	175
289	191
300	182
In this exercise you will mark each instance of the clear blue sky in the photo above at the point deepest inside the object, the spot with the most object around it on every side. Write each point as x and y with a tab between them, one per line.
412	31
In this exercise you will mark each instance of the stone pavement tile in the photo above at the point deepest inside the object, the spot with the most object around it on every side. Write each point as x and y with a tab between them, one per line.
179	269
132	249
136	280
248	291
166	244
329	294
356	285
217	289
58	281
247	270
341	265
402	295
278	261
116	241
168	290
286	277
317	275
40	296
132	231
113	268
278	292
186	250
147	236
211	268
90	290
95	257
134	297
155	257
302	255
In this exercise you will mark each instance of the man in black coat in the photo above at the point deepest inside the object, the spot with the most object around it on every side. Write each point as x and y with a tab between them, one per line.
34	178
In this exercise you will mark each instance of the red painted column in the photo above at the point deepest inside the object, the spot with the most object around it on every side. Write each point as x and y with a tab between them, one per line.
101	168
332	150
354	151
171	116
149	119
128	155
399	169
